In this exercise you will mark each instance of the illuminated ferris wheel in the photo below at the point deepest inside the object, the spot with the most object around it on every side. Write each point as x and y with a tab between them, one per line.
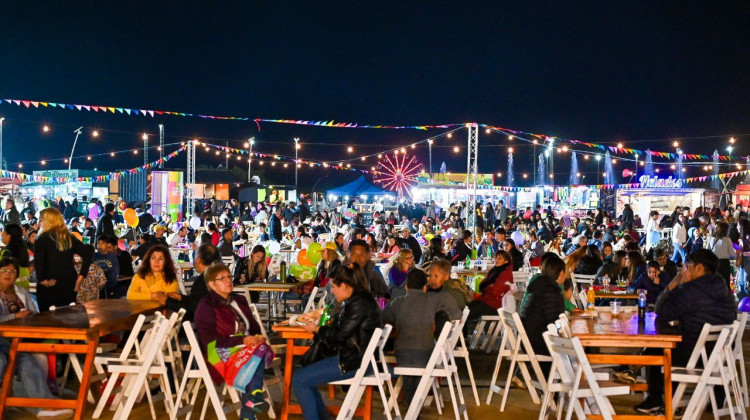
398	173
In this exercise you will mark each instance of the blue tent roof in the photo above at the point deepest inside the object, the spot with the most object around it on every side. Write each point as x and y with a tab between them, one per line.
360	186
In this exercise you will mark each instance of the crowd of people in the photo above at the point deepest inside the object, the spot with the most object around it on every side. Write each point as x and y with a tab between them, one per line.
74	257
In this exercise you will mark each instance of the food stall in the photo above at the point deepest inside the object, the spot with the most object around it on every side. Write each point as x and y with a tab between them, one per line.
448	188
55	184
659	194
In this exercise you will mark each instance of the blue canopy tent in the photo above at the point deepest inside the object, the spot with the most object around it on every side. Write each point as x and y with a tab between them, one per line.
360	186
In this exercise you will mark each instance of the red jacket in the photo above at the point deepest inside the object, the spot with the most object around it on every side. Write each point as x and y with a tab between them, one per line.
496	285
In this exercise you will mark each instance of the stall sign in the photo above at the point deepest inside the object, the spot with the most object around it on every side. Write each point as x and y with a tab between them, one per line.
656	182
448	179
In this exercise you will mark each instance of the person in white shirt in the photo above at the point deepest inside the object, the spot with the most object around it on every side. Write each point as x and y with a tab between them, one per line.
261	217
679	237
652	226
178	236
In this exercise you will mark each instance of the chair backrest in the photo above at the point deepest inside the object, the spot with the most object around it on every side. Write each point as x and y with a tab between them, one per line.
368	358
709	334
521	277
581	279
562	326
256	315
570	364
310	306
582	300
438	353
514	323
742	324
229	262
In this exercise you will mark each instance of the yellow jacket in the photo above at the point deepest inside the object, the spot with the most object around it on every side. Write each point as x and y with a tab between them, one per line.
141	289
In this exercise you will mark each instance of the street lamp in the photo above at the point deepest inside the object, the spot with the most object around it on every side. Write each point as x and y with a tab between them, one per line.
250	160
78	132
296	165
1	140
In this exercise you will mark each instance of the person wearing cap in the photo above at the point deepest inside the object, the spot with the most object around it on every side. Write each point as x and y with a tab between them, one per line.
178	236
329	263
159	232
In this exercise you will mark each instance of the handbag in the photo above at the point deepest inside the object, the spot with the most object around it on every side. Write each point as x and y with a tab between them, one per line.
318	351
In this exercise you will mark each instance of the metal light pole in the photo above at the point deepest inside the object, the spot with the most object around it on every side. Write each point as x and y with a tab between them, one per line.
598	172
78	132
145	148
1	141
296	164
429	143
161	145
250	160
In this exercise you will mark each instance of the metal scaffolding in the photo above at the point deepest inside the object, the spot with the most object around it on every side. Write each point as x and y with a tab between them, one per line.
471	177
190	182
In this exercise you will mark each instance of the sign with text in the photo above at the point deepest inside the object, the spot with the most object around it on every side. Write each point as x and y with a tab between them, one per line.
656	182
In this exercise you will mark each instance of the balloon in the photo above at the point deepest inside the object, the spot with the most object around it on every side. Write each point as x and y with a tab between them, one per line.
130	218
302	272
302	258
122	205
195	222
313	253
77	235
744	304
274	247
626	173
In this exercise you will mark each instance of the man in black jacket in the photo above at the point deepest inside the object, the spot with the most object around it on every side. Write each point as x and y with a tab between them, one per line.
359	253
695	297
274	225
207	254
106	225
411	243
462	249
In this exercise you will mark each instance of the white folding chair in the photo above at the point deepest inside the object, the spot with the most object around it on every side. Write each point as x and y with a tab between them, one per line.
379	377
229	262
571	376
438	366
515	346
738	353
459	349
580	280
196	371
135	372
521	278
278	377
583	300
486	332
714	373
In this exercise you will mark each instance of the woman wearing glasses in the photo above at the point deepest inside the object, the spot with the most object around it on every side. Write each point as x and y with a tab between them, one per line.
31	368
231	337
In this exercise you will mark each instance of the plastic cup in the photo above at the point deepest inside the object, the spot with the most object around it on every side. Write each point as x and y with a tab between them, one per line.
614	307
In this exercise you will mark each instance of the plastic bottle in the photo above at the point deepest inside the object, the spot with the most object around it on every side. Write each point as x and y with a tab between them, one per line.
282	271
467	262
325	317
605	282
591	298
642	302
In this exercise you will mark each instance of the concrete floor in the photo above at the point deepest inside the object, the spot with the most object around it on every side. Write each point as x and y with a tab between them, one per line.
519	405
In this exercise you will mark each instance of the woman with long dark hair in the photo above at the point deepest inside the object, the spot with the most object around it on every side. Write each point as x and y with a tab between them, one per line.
57	280
721	245
156	277
15	246
636	265
341	343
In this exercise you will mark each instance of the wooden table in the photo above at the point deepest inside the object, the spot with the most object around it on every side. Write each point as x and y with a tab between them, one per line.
291	333
86	322
271	287
612	295
624	330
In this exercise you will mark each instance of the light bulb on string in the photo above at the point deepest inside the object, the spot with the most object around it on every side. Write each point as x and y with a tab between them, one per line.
510	150
144	136
44	162
510	137
403	150
88	157
619	145
731	140
111	154
350	149
413	146
535	141
675	143
45	128
363	158
488	131
456	149
450	135
95	133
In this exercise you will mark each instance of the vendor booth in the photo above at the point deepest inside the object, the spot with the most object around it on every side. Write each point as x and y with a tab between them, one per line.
659	194
357	193
448	188
52	186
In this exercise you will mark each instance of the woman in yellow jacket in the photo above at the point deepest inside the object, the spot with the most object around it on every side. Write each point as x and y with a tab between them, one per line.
156	278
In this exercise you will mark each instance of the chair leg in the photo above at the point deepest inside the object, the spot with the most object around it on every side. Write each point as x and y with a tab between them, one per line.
105	396
493	382
507	384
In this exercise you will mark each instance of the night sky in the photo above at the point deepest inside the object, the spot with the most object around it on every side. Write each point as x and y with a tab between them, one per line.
638	72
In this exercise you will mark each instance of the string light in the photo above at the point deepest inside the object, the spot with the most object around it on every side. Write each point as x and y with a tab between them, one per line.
450	135
430	141
286	165
45	128
44	162
643	163
95	133
614	161
565	148
499	174
363	158
403	150
510	137
510	150
656	170
350	149
297	146
671	167
619	145
66	160
731	140
413	146
585	157
273	163
20	165
111	154
380	156
535	141
525	176
675	143
144	136
456	149
135	152
89	157
488	131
